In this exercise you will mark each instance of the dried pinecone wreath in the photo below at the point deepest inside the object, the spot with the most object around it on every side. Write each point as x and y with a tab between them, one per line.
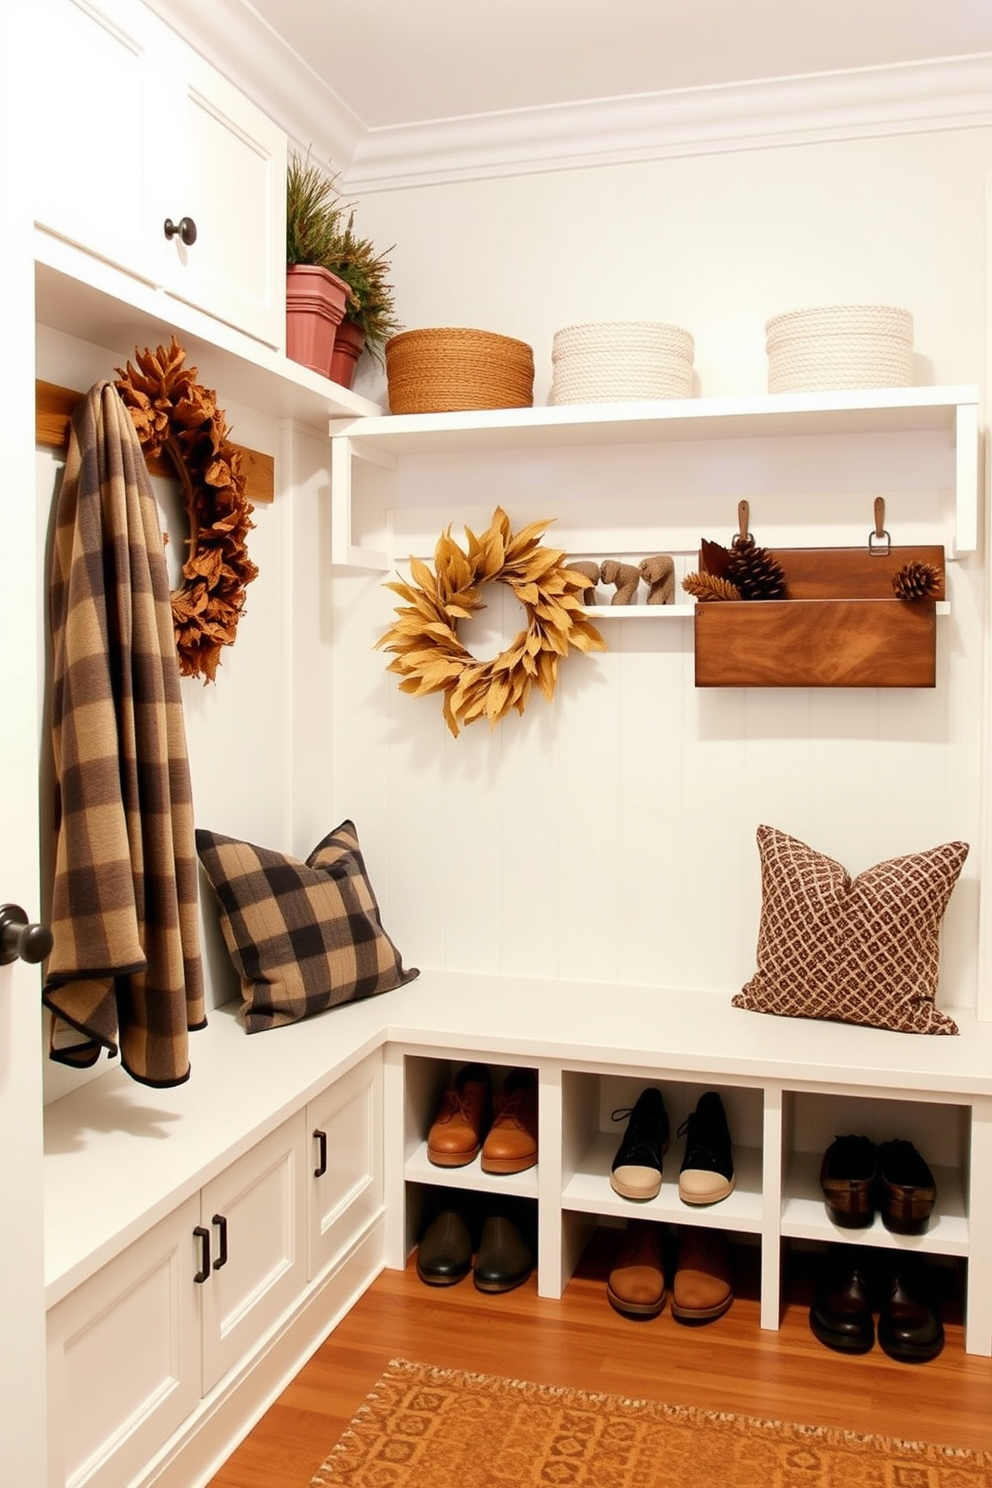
173	413
428	653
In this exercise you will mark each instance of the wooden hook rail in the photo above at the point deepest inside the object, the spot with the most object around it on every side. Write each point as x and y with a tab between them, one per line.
54	407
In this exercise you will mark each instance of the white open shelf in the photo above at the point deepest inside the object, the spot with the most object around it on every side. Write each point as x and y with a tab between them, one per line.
588	1190
771	415
948	413
597	613
420	1169
110	308
805	1217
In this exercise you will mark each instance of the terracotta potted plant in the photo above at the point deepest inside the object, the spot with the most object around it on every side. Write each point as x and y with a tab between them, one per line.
370	313
315	295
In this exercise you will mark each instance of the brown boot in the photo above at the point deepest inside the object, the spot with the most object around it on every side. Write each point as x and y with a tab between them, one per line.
701	1289
456	1136
511	1146
636	1287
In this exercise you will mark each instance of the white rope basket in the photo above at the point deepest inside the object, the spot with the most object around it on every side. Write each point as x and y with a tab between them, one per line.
839	346
617	361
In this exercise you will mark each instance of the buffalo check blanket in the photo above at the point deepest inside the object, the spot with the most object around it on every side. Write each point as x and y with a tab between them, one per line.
125	972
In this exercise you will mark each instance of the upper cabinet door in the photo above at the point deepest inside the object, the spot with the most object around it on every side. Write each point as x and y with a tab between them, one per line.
90	132
148	158
228	177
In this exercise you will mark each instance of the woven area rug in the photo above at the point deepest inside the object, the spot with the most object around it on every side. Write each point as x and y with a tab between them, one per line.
438	1428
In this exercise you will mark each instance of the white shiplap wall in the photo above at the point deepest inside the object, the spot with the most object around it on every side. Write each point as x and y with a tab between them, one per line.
611	835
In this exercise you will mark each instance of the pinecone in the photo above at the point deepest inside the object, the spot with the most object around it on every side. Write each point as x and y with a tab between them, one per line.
707	586
754	571
916	581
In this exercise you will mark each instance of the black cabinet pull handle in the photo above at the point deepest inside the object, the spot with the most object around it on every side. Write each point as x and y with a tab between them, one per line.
17	938
185	229
321	1167
220	1220
203	1234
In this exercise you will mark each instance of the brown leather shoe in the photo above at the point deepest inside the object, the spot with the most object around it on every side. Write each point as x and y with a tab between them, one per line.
840	1315
907	1190
636	1286
511	1146
455	1138
701	1289
848	1176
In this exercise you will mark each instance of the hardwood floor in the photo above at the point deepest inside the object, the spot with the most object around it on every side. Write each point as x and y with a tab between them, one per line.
730	1365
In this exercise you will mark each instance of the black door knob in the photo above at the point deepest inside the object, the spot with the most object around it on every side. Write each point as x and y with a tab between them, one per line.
185	228
18	938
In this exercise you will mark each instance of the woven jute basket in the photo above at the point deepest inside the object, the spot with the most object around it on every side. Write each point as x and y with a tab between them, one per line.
839	346
617	361
448	369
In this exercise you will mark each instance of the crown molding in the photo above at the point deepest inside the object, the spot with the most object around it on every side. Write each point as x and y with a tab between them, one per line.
947	93
952	93
234	39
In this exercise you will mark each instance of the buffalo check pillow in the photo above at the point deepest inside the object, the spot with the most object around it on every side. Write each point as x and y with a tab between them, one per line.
303	936
863	950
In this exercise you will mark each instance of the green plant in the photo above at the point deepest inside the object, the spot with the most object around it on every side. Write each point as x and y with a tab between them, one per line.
371	301
313	213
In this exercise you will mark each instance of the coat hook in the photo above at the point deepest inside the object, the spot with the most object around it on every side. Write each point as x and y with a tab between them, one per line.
879	541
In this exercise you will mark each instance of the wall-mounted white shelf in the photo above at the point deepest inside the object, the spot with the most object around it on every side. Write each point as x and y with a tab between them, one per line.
597	613
83	297
948	413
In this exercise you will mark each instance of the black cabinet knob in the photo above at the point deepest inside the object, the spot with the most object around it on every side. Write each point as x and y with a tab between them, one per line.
19	939
185	229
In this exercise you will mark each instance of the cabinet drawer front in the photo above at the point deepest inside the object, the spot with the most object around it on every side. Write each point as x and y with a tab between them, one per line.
124	1359
258	1206
347	1196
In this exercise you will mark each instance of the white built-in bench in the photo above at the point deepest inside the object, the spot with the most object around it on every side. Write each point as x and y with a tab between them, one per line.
122	1161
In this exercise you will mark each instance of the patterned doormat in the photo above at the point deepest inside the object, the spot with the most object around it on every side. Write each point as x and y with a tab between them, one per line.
422	1427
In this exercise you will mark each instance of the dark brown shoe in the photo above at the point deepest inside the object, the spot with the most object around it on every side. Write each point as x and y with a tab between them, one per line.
841	1315
909	1325
455	1138
906	1186
506	1256
636	1286
444	1255
848	1176
511	1146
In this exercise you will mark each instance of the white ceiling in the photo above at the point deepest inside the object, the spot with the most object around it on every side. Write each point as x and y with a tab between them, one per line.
397	62
406	92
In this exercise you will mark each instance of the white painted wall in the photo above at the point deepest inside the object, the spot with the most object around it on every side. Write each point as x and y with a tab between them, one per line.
611	835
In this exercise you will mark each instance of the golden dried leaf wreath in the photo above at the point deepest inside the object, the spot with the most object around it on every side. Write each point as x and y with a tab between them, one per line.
430	657
173	413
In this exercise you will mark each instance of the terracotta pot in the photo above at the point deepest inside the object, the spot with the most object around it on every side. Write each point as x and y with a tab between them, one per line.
348	346
315	301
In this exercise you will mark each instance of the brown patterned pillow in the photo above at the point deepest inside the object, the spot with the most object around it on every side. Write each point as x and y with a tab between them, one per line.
861	950
303	936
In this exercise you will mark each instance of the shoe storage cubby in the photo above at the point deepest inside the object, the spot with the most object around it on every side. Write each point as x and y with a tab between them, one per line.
424	1084
590	1138
788	1087
939	1131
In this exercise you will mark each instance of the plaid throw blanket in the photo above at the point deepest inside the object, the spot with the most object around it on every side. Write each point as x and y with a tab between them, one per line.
125	971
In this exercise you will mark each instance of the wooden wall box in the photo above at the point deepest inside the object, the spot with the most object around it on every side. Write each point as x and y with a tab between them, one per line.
840	626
